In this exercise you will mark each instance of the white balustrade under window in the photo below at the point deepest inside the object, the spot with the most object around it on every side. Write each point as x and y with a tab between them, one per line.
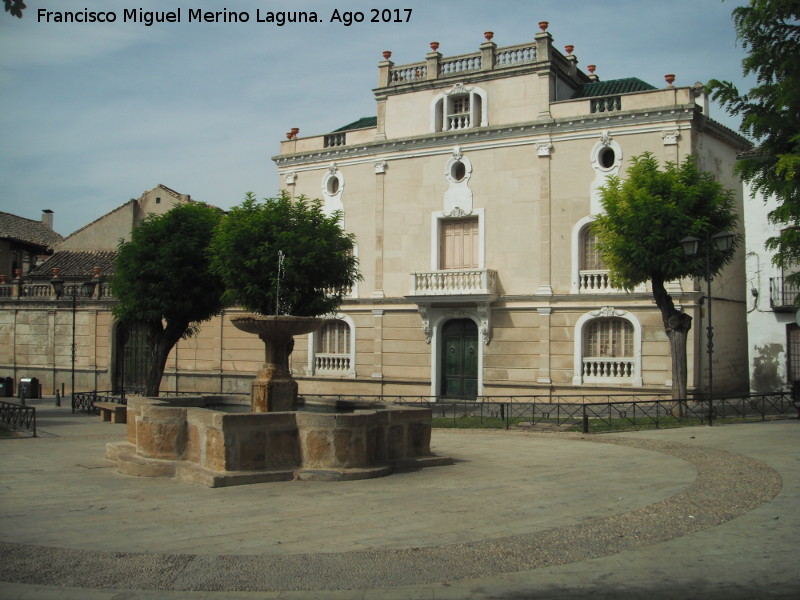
455	122
599	369
331	363
594	281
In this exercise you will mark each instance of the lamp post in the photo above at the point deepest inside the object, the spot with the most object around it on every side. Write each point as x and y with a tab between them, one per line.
88	291
722	242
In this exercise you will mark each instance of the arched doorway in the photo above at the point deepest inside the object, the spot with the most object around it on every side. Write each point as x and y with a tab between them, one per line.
459	359
132	353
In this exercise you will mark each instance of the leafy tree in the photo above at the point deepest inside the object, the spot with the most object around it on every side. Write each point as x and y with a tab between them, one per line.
770	31
161	278
640	233
284	256
15	7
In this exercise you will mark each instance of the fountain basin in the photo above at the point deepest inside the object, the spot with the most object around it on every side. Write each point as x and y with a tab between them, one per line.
186	439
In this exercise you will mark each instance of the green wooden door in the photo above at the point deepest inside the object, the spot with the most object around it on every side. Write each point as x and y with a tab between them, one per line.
460	359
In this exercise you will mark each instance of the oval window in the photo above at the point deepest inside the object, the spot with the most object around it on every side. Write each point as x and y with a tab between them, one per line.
607	158
333	185
458	171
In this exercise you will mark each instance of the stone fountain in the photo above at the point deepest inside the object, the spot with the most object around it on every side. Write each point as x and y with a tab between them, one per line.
199	440
274	388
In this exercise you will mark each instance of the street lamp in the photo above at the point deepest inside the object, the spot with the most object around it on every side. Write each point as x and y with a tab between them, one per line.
723	242
88	291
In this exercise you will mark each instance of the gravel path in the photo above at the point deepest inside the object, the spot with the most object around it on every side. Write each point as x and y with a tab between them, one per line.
727	485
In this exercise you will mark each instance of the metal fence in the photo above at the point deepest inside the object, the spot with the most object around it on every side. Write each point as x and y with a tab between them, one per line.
85	400
591	413
18	416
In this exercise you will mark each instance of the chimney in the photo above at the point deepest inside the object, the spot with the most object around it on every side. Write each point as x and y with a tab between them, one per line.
47	218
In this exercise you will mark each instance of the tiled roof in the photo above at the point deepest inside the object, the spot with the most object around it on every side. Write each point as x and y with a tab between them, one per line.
27	231
76	264
613	87
362	123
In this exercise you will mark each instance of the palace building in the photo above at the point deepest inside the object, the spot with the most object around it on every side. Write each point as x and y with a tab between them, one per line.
470	194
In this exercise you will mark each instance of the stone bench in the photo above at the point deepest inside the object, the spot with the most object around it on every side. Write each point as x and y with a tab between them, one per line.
111	411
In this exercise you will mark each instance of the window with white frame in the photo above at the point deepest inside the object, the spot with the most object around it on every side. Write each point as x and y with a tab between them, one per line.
460	107
459	242
608	350
333	349
593	274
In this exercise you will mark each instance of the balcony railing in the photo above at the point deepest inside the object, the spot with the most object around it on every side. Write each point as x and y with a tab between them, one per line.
44	291
597	280
782	295
606	104
607	369
333	140
454	282
490	59
328	364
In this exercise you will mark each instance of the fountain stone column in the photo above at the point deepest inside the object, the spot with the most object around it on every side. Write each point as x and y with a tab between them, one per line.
274	388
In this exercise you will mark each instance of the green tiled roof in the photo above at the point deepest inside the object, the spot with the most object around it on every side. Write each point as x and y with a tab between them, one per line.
362	123
613	87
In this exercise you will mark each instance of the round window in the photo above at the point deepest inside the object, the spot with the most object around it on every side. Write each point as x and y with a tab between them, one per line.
458	171
333	185
607	158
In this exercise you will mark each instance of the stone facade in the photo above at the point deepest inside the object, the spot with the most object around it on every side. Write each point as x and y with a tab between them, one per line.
516	142
469	195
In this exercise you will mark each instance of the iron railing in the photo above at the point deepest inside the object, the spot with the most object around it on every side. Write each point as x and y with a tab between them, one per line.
18	415
85	400
590	413
782	294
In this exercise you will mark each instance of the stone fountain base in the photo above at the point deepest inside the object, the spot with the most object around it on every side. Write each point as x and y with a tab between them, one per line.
191	439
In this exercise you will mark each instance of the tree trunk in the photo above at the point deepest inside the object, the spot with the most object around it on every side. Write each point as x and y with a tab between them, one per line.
161	341
677	325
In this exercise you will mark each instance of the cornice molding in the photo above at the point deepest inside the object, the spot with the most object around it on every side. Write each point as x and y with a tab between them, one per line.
536	132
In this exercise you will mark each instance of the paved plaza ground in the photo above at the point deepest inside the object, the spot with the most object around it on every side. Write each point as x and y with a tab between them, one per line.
701	512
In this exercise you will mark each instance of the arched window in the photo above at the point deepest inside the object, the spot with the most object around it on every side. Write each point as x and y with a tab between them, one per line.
460	107
591	258
608	351
609	338
592	272
333	349
608	348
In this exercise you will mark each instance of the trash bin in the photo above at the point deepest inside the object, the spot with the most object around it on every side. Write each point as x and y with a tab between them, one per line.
28	386
6	387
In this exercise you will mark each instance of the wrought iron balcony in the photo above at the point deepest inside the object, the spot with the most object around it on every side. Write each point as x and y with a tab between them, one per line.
783	295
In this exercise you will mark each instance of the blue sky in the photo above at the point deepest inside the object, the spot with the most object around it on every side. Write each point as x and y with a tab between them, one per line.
95	114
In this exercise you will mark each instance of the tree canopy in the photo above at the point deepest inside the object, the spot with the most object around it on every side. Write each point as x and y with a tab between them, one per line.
647	215
284	255
15	7
639	236
769	30
162	278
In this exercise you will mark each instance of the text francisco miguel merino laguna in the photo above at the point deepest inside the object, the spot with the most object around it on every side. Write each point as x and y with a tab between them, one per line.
279	18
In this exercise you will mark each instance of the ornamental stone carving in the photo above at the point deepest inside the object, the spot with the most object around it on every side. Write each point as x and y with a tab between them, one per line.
670	137
607	311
